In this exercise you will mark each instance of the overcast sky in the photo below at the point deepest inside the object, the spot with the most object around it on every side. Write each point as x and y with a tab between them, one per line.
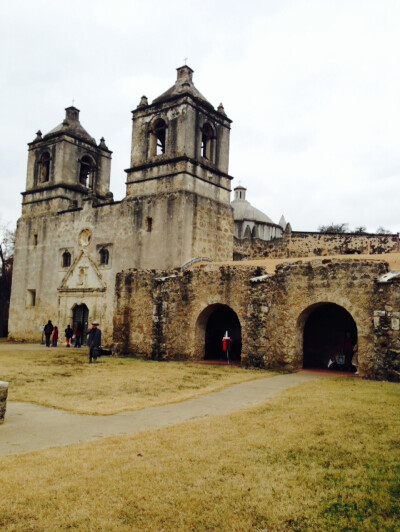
312	87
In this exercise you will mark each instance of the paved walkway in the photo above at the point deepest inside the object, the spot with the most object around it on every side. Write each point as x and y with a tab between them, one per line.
28	427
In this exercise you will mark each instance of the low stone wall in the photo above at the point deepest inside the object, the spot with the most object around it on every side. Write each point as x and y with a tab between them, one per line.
3	400
303	244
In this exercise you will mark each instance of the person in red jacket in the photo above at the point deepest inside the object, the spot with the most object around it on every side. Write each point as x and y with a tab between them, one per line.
54	338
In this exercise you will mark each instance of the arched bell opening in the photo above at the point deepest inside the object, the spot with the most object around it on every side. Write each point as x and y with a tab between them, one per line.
329	336
212	325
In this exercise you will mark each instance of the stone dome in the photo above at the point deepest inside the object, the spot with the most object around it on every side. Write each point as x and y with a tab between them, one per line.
244	210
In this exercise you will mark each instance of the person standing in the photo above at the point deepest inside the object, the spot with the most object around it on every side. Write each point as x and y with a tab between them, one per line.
68	335
54	338
94	341
78	335
48	329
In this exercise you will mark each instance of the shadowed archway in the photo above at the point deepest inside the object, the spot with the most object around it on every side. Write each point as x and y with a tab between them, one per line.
324	330
81	315
211	326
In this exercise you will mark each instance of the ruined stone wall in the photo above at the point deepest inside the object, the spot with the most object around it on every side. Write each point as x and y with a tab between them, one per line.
163	314
386	363
303	244
159	311
288	298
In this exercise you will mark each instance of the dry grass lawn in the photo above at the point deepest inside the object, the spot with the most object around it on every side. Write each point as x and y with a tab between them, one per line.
62	378
324	456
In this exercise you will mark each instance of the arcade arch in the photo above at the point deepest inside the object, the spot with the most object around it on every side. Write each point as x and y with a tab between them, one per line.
322	328
211	326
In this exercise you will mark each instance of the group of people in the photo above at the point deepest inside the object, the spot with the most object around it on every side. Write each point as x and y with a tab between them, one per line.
93	337
52	335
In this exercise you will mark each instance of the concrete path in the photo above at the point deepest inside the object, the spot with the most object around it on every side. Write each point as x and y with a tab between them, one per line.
28	427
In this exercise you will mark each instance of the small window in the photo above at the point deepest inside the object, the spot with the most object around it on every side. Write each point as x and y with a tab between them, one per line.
66	259
87	172
104	257
149	224
35	240
207	142
31	298
158	138
44	168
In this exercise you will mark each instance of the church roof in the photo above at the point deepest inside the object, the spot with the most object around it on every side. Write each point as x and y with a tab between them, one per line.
183	85
71	125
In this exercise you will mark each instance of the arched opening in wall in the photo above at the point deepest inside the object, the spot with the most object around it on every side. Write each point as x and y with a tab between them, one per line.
104	256
44	167
329	334
158	137
81	319
66	259
211	327
87	172
207	137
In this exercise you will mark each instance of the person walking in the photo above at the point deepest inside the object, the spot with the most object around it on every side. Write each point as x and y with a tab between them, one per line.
78	335
54	338
94	341
48	329
68	335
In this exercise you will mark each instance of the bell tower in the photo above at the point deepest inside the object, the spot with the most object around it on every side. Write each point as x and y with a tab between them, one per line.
179	175
65	166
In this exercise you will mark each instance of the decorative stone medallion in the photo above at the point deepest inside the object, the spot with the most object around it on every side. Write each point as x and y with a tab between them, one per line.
85	237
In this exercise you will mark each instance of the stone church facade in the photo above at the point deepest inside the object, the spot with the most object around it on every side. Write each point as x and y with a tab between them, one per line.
72	238
156	269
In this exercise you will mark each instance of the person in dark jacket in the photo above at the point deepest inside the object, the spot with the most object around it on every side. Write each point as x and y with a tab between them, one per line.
48	329
94	341
69	333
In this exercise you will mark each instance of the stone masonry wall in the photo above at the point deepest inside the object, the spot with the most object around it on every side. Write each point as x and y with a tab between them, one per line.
387	331
3	400
303	244
163	315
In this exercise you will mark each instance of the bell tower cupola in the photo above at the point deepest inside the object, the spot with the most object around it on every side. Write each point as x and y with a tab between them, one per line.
182	139
178	178
65	166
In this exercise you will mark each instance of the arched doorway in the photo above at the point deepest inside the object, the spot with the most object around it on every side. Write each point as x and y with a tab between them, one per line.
325	327
211	326
81	315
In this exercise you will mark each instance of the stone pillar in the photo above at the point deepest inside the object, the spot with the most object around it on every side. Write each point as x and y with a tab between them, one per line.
3	400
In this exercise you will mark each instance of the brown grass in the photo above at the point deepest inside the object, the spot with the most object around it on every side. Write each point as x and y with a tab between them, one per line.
323	456
62	378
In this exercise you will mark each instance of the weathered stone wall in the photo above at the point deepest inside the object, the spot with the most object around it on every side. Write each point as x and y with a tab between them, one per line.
183	226
3	400
303	244
163	315
159	314
386	363
283	303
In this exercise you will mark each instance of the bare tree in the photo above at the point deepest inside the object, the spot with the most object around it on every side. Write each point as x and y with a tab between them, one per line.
334	228
382	231
7	241
360	230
